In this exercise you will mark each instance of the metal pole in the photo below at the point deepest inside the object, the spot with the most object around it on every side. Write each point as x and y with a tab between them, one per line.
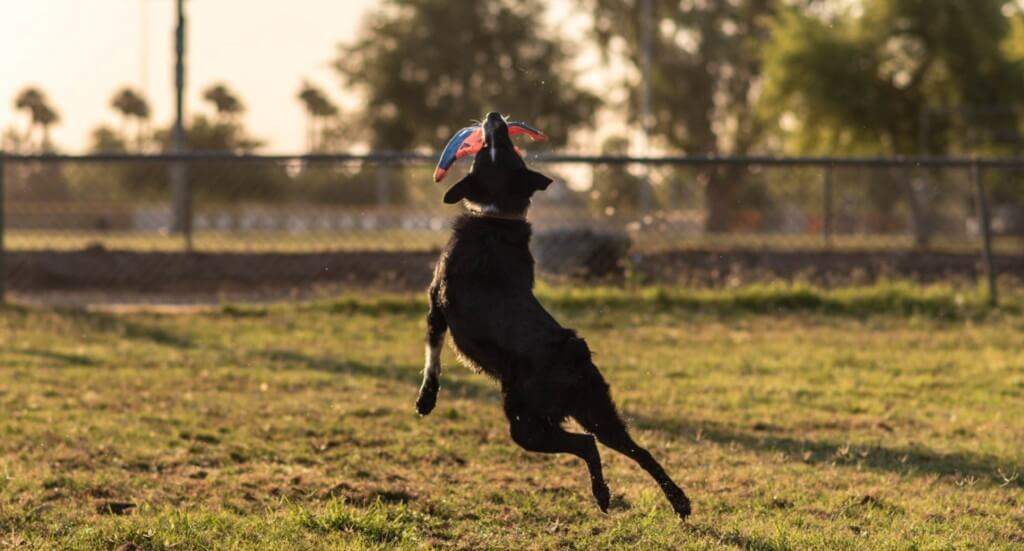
3	265
985	225
181	194
826	218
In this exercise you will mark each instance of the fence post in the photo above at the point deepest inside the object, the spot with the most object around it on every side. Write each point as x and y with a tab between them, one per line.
826	215
3	223
985	227
181	190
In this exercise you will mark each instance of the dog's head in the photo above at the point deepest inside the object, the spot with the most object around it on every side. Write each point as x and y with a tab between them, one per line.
499	181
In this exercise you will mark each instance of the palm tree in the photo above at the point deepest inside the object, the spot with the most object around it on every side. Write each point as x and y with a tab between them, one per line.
27	101
224	101
46	117
319	108
309	95
131	105
41	114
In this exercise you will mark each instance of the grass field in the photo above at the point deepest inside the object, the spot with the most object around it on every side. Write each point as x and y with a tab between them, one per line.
223	241
257	241
877	418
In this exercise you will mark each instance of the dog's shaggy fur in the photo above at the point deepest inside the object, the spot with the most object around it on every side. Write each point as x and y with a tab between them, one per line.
482	292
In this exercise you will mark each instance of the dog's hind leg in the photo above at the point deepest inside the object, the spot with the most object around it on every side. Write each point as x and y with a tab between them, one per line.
600	419
543	436
436	327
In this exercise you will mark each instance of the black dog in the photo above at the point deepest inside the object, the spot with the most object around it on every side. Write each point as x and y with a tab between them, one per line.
483	292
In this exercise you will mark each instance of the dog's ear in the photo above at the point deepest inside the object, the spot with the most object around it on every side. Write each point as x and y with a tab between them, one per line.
460	190
534	180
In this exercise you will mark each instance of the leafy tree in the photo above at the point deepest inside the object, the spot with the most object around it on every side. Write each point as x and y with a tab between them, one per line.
13	141
41	114
705	71
29	100
205	134
614	186
867	81
44	182
428	67
107	140
863	81
221	180
209	179
115	181
320	110
224	101
132	105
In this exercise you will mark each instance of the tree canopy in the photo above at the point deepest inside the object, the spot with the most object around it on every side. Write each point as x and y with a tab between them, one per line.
705	70
131	105
895	77
224	101
705	64
428	67
320	112
41	114
736	77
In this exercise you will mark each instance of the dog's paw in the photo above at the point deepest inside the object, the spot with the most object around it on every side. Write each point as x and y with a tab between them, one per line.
427	400
681	504
601	494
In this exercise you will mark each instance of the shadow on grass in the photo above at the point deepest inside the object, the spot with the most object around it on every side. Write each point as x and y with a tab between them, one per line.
68	359
458	386
123	325
734	538
902	460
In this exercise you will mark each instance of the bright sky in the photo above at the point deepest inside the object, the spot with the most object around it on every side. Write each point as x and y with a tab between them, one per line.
80	51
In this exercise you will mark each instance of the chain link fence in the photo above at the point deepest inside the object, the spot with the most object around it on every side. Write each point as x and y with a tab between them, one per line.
293	224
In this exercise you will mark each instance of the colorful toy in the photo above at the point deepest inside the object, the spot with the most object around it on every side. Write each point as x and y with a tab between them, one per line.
470	140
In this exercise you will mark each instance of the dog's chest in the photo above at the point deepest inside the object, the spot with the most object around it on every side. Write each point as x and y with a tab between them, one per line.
490	261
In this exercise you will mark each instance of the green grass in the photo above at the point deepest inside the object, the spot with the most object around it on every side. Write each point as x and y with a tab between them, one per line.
876	418
224	241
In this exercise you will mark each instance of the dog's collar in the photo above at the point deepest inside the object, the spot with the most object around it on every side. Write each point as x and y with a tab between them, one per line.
499	216
490	211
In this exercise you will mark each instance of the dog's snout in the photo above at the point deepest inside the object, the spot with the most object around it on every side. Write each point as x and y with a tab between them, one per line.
495	134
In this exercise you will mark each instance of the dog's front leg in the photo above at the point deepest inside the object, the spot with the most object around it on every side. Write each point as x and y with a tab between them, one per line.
436	327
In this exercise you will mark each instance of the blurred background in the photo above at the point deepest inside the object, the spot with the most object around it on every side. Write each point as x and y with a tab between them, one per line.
167	150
